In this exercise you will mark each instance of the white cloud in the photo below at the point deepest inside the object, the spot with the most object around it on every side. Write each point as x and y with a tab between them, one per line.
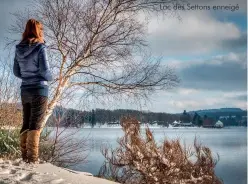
234	94
230	58
239	104
185	91
185	104
240	59
198	32
191	99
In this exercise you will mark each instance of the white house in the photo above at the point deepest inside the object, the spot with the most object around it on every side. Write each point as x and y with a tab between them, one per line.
219	124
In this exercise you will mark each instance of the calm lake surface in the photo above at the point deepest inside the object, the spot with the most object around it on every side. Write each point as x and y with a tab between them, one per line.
229	143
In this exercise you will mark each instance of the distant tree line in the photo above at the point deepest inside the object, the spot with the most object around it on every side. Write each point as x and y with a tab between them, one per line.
77	118
72	117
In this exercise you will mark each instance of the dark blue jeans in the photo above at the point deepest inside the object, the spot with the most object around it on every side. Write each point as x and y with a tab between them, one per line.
34	109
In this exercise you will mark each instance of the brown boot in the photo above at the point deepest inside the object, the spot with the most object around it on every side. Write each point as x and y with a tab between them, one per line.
23	145
33	140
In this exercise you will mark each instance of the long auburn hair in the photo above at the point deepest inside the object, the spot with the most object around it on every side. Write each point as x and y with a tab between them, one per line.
33	32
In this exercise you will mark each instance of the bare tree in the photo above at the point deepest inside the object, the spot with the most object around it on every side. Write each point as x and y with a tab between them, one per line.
140	160
99	48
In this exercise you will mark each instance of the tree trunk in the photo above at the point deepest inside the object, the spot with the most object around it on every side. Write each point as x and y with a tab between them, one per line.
54	101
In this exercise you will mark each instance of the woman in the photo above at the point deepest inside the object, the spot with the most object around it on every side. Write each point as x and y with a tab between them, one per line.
31	65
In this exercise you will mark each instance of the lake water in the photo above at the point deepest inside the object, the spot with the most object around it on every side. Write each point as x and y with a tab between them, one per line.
229	143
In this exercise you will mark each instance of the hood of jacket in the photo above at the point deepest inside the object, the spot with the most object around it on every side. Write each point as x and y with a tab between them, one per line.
24	49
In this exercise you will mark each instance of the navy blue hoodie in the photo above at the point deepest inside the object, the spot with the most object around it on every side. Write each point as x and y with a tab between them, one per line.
31	65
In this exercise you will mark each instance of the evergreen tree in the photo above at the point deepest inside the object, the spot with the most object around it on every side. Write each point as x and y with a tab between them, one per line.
93	118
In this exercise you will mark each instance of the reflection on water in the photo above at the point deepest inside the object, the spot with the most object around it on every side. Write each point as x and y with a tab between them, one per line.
229	143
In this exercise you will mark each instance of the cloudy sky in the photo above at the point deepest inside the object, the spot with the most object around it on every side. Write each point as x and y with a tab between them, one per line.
206	47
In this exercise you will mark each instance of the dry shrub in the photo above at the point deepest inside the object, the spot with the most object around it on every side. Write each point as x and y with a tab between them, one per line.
10	115
63	146
140	160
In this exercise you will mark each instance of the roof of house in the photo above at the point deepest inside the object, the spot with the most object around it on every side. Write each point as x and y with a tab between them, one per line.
208	122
